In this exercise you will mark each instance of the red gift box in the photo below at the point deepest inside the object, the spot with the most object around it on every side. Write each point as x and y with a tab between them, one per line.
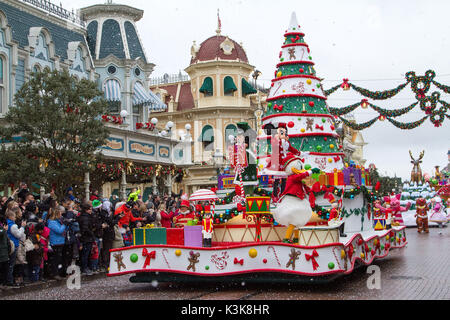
175	236
336	178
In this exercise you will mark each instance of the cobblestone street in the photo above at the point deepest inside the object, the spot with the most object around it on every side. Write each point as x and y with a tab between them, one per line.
418	272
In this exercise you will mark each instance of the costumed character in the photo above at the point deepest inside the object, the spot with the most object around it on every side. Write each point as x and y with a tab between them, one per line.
207	229
397	210
293	209
386	211
184	214
379	216
128	217
334	219
437	214
422	215
281	149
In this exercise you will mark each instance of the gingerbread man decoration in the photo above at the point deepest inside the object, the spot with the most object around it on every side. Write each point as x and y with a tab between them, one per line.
292	258
309	124
119	259
193	259
292	53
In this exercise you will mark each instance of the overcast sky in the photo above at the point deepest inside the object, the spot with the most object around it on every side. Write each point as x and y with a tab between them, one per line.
373	43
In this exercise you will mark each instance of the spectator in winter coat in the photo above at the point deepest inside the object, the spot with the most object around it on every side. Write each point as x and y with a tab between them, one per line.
35	256
87	228
57	241
107	221
43	235
15	234
70	250
166	217
4	253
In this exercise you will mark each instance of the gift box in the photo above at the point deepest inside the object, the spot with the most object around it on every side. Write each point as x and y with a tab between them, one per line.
143	236
323	179
193	236
336	178
175	236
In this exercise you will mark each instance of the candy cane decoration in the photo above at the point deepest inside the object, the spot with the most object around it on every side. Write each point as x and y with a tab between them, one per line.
275	253
165	259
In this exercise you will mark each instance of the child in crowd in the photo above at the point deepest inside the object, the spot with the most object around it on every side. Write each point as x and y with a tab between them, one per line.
93	263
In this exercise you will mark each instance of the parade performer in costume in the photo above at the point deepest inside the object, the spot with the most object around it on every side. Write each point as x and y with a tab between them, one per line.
437	214
294	209
184	214
281	149
397	210
379	216
334	218
422	215
208	229
134	195
249	173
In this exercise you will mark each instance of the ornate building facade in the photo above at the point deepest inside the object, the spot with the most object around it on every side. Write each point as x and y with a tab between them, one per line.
216	95
99	43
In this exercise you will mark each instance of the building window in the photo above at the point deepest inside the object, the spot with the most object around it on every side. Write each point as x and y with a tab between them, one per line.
114	107
136	116
112	69
228	86
137	72
36	68
230	130
207	138
207	87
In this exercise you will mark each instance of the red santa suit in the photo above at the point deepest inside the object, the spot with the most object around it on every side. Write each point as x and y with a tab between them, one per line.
296	187
182	218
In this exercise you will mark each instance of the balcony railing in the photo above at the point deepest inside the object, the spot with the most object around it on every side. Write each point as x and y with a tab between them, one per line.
166	79
58	11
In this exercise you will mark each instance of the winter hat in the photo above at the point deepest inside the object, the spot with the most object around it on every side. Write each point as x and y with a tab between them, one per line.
185	203
96	204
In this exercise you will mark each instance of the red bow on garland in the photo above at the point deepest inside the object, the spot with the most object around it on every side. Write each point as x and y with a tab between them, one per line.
241	208
241	262
345	84
337	159
312	257
319	127
148	256
105	118
278	107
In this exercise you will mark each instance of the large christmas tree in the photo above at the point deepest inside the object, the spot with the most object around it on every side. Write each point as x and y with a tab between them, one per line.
297	99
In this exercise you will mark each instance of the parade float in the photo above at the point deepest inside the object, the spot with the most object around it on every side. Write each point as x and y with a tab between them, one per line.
296	142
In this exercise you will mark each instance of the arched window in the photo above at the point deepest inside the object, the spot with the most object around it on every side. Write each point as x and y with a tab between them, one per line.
228	86
207	87
111	42
207	138
230	130
36	68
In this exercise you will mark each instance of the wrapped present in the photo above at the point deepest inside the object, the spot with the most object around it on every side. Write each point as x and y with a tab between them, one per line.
175	236
336	178
258	205
193	236
358	176
143	236
346	172
323	179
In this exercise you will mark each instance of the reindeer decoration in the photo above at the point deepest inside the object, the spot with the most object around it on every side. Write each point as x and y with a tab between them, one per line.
416	173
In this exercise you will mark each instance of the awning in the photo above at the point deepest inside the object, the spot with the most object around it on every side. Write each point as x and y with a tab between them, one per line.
207	134
203	195
228	85
247	88
142	97
207	87
112	90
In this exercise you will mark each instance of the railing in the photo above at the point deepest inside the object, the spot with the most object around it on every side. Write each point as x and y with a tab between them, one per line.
165	79
56	10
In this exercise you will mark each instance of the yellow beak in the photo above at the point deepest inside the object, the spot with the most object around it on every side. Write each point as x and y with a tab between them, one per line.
296	171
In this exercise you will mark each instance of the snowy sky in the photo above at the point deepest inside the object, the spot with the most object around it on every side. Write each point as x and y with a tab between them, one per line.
371	42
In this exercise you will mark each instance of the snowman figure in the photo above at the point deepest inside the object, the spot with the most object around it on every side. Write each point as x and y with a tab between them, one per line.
294	209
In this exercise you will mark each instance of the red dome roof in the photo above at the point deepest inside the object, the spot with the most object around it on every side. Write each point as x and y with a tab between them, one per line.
210	50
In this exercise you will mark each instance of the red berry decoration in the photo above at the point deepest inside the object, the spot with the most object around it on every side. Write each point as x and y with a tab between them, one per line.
265	261
325	139
311	104
291	124
301	70
360	241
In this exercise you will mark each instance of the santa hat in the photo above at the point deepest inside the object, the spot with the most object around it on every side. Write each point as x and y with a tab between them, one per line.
185	203
282	125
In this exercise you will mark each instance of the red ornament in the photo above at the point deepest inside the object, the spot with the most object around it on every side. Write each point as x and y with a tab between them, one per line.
332	127
301	70
291	124
360	241
372	252
311	104
325	139
281	53
264	261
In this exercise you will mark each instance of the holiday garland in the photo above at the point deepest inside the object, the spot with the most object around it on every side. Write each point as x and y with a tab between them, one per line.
378	95
444	88
393	113
356	126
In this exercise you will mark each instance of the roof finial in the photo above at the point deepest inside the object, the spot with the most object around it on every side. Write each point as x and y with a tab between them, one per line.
219	24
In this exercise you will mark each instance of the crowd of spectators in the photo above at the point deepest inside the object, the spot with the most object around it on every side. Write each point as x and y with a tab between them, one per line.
41	238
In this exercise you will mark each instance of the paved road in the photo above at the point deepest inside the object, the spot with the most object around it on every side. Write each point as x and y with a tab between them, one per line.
418	272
